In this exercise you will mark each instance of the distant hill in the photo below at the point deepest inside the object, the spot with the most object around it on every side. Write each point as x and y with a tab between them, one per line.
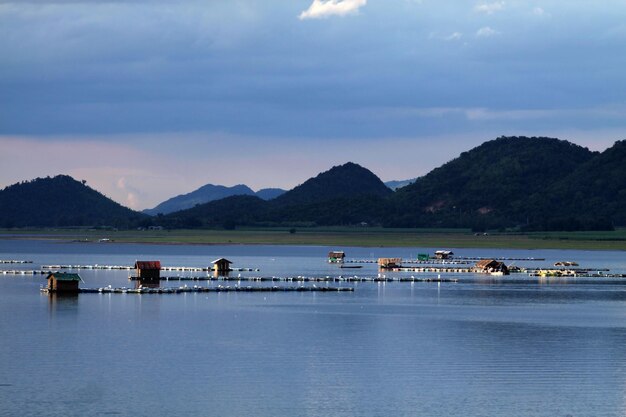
61	201
503	182
343	181
270	193
227	212
346	194
511	182
202	195
593	195
394	185
208	193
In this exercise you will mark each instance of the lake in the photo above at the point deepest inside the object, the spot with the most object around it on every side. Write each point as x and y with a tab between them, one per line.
508	346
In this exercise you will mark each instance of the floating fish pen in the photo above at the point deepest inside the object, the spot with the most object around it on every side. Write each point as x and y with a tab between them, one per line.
480	258
456	260
22	272
128	268
574	274
308	279
196	289
436	270
431	261
13	261
100	267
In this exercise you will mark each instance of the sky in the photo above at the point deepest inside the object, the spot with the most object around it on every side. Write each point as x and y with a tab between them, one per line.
148	99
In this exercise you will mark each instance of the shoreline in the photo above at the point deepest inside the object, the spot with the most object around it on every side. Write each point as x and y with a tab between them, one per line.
596	241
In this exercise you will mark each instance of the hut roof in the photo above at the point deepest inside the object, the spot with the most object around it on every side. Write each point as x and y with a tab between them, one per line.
387	261
336	254
64	276
221	260
148	265
484	263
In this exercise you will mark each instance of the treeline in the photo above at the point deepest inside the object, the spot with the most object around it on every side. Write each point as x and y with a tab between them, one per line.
61	201
517	183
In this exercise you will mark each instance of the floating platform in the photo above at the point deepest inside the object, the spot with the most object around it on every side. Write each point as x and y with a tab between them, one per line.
23	272
308	279
128	268
196	289
12	261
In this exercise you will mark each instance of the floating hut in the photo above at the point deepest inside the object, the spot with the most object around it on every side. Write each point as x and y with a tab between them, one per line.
566	263
148	270
389	263
491	266
423	257
443	254
62	282
336	257
221	265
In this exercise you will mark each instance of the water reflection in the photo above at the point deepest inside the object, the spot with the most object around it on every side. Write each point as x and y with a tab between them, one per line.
147	283
62	301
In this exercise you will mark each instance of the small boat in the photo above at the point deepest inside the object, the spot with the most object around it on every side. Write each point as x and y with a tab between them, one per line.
351	266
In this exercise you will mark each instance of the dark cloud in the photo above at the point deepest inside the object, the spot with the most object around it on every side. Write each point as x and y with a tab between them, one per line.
254	68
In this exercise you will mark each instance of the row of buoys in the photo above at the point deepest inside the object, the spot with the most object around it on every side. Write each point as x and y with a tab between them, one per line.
309	279
196	289
110	267
128	268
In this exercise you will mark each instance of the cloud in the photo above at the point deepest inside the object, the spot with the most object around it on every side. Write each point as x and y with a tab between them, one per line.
538	11
325	8
453	36
486	32
489	8
130	192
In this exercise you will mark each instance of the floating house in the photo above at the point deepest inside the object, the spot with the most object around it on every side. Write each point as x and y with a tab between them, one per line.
423	257
148	270
221	265
336	257
443	254
491	266
62	282
566	263
389	263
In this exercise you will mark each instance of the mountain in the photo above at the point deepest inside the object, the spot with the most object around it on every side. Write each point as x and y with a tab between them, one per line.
595	191
343	181
395	184
202	195
60	201
503	182
227	212
511	182
270	193
347	194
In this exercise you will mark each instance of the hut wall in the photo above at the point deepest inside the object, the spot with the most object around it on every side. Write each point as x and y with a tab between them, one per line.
63	286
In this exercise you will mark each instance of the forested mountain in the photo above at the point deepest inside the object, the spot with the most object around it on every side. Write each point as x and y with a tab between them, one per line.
202	195
510	182
270	193
343	181
61	201
345	194
395	184
208	193
503	182
592	195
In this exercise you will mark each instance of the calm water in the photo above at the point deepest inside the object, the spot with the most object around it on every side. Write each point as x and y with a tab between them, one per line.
481	347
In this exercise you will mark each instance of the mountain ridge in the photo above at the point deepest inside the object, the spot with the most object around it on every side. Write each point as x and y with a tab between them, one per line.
207	193
514	183
61	201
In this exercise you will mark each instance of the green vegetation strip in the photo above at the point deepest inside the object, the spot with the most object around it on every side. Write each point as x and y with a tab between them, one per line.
338	237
